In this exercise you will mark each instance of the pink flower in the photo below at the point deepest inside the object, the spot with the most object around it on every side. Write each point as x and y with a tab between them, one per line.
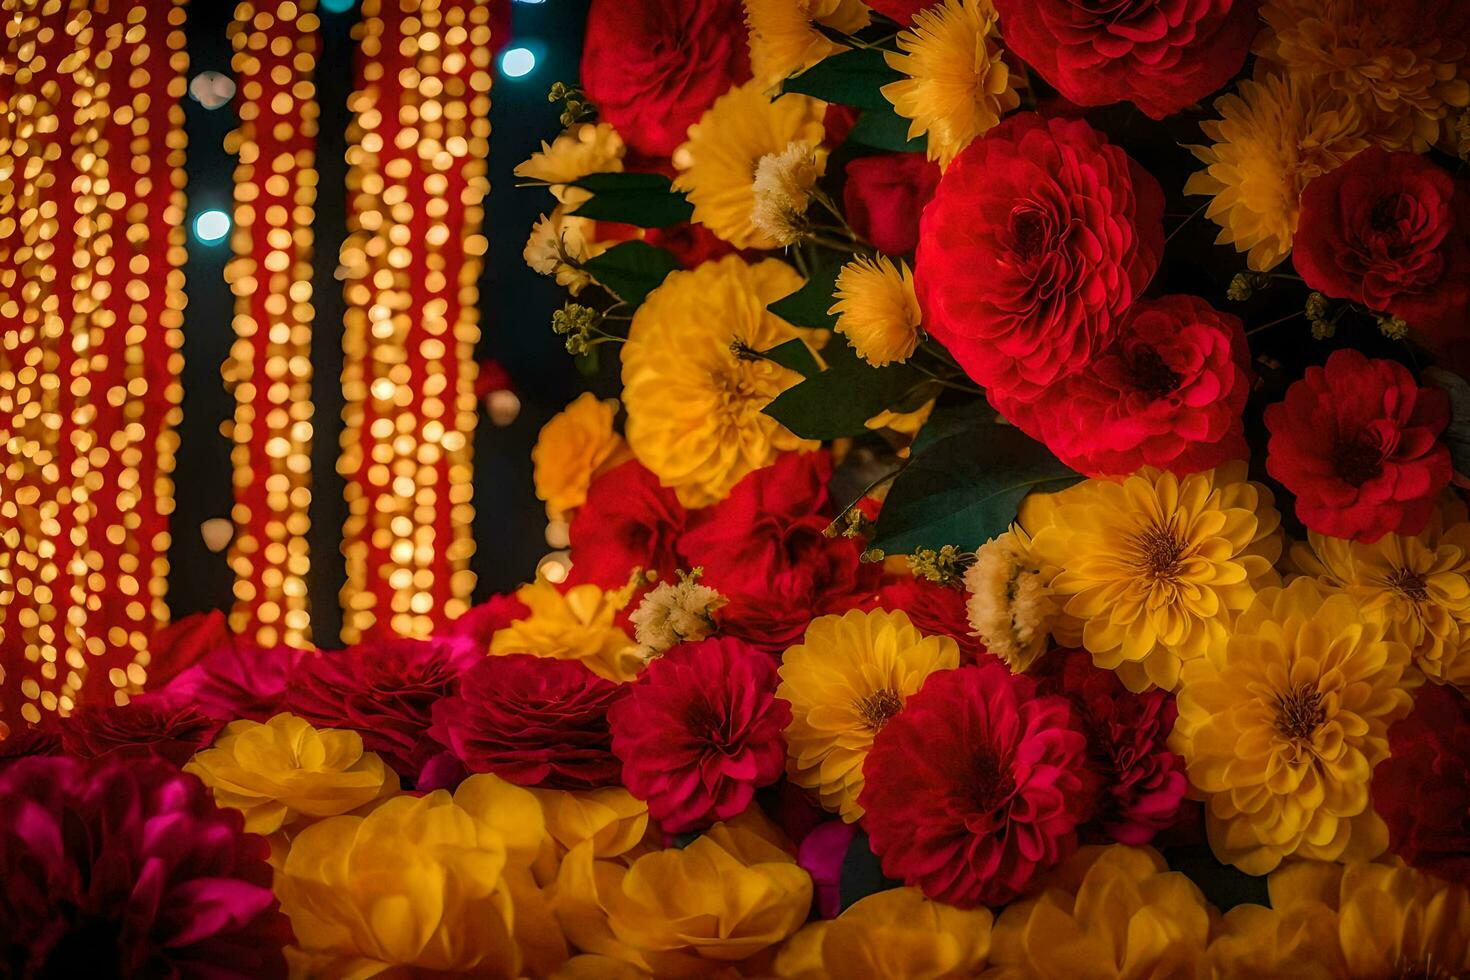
822	853
700	732
234	680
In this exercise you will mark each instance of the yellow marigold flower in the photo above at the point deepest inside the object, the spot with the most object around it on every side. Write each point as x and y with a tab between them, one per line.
890	935
1419	586
1383	55
877	310
1108	912
578	443
1358	920
958	84
783	37
717	165
584	149
1281	724
1154	567
1011	605
578	624
695	384
1273	137
284	772
849	675
432	883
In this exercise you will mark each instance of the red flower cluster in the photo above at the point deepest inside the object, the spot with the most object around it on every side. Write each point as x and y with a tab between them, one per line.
1422	791
138	730
937	610
629	521
1357	441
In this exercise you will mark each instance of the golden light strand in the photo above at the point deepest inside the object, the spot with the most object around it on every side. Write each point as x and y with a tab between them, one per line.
276	45
91	291
416	184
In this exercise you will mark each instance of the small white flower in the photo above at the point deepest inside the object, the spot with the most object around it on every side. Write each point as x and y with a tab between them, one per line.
783	191
555	239
1011	606
674	612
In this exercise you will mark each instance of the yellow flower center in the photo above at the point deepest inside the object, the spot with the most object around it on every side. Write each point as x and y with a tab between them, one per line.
1159	550
1299	712
877	708
1410	583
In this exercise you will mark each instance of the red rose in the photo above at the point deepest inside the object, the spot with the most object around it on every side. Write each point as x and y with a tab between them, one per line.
935	610
1041	234
629	521
1358	443
1169	392
763	548
1392	232
1161	55
533	721
885	195
978	785
653	66
138	730
700	732
1422	791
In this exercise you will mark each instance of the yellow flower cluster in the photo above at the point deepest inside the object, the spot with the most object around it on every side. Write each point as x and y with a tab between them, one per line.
895	933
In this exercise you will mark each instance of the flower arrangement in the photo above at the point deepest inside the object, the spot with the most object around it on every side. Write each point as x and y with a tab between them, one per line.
1030	541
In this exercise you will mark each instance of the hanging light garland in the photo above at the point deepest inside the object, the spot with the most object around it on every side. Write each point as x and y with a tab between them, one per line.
416	184
276	45
91	295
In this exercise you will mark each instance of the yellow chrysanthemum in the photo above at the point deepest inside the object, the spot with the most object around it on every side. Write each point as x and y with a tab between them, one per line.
1384	55
432	883
1419	586
1273	137
1154	567
1281	724
694	384
1108	912
1010	603
578	443
286	772
584	149
958	84
783	37
890	935
578	624
1359	921
717	165
849	675
877	310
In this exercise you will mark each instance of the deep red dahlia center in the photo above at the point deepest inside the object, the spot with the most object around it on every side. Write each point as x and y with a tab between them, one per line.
1357	460
1030	232
991	783
1151	374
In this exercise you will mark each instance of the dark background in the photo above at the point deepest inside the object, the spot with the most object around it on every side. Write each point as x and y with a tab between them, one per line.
515	306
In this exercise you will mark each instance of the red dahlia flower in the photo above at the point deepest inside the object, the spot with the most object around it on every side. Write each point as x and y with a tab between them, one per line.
1422	791
629	521
884	196
763	548
28	741
653	66
977	786
126	869
1169	392
700	732
1357	441
138	730
936	610
533	721
1040	236
235	680
1161	55
1383	230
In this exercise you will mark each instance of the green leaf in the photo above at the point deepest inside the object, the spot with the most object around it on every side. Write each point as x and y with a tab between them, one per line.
1457	433
796	355
964	486
808	306
837	402
884	129
852	78
632	270
862	874
644	200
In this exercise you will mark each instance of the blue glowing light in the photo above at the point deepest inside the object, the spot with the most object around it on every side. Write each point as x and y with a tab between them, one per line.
518	62
212	226
338	6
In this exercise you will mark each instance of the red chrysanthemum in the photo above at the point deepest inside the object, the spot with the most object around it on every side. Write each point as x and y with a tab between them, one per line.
385	690
629	521
1169	393
1390	231
1143	783
936	610
233	680
700	732
125	868
763	548
884	196
653	66
977	786
1357	441
138	730
533	721
1161	55
1422	791
1040	237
